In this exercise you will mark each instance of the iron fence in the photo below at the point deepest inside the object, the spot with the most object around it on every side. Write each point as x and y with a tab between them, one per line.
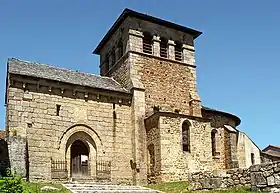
59	169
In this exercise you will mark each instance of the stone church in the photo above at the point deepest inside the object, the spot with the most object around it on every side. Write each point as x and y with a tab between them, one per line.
140	120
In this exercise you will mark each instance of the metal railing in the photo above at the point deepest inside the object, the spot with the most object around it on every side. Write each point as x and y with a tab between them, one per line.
59	169
103	170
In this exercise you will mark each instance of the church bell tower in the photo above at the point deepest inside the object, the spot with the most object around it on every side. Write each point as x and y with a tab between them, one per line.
150	54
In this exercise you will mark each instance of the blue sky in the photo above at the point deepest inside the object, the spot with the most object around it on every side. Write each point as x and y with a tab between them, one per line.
237	54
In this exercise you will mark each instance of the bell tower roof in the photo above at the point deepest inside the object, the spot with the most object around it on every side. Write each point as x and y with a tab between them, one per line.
130	13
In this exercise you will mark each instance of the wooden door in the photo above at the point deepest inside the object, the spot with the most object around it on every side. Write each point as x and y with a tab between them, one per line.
79	159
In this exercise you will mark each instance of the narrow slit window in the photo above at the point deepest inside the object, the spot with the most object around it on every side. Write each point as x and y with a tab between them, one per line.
147	43
58	109
214	142
186	137
252	158
163	47
178	51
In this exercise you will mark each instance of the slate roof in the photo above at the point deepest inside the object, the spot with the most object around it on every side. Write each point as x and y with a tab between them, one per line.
237	119
20	67
272	148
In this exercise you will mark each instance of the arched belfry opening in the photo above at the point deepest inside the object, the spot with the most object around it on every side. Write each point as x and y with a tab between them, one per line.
79	159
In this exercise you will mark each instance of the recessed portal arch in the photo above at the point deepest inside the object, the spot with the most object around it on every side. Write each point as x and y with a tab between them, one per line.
81	152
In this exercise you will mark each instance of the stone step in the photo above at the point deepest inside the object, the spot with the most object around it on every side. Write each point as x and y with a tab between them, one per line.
102	188
114	191
89	182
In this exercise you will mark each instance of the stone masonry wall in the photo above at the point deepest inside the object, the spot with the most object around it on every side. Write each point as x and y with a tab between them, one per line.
166	85
247	148
2	134
32	115
223	160
175	163
210	180
153	141
265	177
121	72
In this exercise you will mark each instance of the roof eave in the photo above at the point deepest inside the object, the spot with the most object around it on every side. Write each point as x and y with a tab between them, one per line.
118	22
237	119
270	146
124	91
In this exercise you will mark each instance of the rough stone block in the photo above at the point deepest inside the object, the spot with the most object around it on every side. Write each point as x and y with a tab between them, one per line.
255	168
277	179
270	181
216	182
257	179
274	190
277	168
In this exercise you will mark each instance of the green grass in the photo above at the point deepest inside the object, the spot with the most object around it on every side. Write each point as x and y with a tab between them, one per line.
35	187
233	190
182	187
171	187
30	187
1	182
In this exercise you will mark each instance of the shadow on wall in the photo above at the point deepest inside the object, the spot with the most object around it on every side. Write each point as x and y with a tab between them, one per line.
4	157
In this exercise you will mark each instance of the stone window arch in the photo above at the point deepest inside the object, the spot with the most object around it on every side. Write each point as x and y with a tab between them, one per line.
147	43
186	136
214	141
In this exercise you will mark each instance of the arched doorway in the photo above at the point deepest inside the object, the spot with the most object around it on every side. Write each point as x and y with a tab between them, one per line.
79	159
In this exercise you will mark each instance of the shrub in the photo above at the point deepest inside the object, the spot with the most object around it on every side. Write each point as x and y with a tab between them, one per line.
11	184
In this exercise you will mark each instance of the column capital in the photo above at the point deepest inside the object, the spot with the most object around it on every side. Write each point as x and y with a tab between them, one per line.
135	33
156	38
171	42
188	47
